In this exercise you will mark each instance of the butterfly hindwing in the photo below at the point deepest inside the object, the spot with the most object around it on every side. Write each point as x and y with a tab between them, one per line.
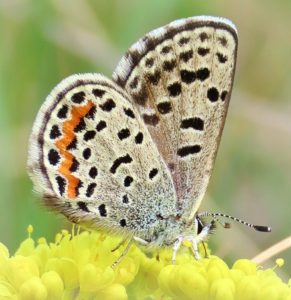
180	78
93	159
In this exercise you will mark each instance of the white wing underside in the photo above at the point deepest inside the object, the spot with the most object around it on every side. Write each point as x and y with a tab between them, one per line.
92	158
180	77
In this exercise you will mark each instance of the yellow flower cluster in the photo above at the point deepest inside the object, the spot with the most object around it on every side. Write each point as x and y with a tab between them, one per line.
77	266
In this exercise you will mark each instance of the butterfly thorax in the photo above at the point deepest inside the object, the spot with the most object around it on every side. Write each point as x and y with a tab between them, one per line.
165	232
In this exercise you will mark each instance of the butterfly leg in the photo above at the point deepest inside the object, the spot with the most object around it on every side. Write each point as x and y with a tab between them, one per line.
176	247
199	239
194	248
123	253
122	242
140	241
205	251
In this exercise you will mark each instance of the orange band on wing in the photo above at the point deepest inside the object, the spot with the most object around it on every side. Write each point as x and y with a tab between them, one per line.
77	113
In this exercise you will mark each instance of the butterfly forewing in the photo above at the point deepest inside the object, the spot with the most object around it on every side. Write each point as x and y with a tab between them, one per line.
93	159
180	78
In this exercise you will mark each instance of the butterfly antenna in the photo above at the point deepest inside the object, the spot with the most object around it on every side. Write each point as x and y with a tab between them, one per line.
227	225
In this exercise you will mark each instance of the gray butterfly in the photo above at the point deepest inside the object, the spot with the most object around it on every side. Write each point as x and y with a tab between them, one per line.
133	156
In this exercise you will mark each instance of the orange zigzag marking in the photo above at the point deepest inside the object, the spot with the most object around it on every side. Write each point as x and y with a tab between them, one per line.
77	113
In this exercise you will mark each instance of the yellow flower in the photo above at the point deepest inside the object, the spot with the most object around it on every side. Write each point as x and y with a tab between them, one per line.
78	266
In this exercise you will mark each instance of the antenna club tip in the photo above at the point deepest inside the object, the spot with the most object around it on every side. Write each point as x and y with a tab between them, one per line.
227	225
262	228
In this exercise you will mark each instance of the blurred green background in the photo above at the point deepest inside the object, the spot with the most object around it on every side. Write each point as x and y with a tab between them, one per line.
41	42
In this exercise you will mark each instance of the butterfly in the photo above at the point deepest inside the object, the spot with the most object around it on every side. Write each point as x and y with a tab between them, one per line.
133	155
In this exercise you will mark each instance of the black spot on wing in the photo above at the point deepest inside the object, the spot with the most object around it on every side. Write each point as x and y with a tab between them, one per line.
80	184
91	113
154	78
61	182
122	222
188	76
86	153
128	181
55	132
169	65
188	150
102	210
123	134
151	119
129	112
221	58
75	165
183	41
133	84
126	159
195	123
98	92
125	199
89	135
187	55
78	97
213	94
203	36
153	172
90	189
63	112
166	49
174	89
81	126
101	125
149	62
108	105
223	41
93	172
54	157
203	51
138	138
72	145
202	74
83	206
164	107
